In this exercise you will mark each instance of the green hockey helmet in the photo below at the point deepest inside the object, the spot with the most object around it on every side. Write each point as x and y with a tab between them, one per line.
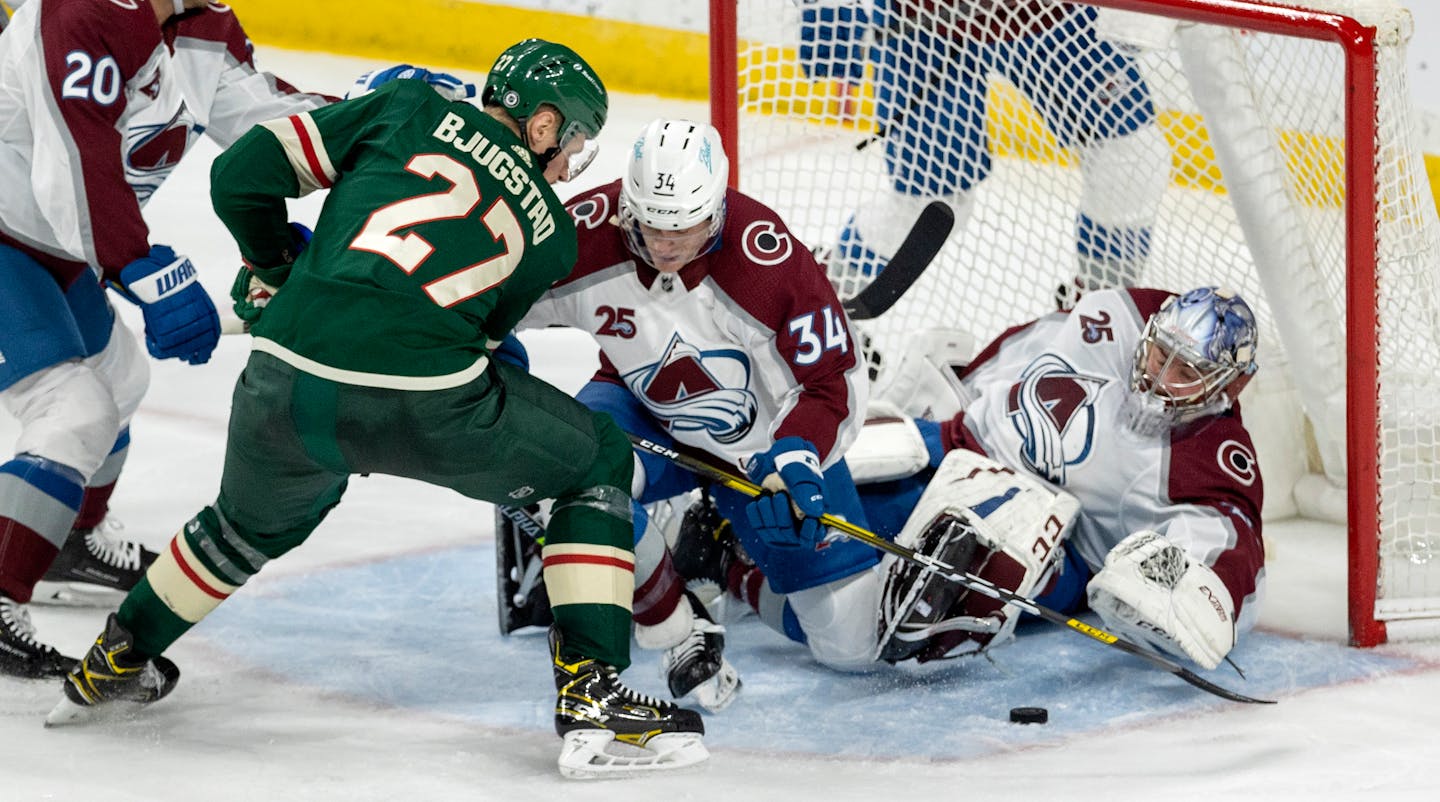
536	72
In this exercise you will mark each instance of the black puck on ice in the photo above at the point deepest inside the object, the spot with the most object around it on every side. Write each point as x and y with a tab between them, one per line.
1029	715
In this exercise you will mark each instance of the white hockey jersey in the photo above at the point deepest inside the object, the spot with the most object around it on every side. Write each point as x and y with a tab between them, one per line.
747	344
1049	398
98	103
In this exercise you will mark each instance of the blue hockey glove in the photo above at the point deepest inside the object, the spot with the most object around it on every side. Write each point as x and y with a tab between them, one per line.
831	41
791	466
180	319
251	293
773	519
444	83
512	351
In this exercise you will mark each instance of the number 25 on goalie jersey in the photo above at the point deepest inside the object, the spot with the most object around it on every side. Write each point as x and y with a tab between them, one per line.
438	233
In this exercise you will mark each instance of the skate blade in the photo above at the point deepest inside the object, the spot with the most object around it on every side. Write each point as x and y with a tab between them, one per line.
67	712
75	594
596	755
716	694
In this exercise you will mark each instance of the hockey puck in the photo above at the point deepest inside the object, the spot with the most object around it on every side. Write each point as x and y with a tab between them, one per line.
1029	715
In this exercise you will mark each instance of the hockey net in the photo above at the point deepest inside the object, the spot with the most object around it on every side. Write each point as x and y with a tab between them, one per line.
1250	158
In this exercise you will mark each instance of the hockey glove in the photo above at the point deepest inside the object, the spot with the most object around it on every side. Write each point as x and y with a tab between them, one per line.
772	517
180	318
444	83
251	293
1153	593
791	467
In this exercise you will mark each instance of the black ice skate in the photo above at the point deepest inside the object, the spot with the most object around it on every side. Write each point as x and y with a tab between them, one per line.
21	655
107	675
697	664
704	549
610	730
705	544
95	567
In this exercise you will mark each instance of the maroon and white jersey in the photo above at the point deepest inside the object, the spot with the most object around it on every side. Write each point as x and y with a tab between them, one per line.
98	102
747	344
1050	399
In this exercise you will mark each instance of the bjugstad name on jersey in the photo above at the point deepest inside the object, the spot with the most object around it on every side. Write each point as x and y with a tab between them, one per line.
504	168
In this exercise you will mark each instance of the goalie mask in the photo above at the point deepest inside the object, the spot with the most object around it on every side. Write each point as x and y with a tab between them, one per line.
536	73
1194	357
672	199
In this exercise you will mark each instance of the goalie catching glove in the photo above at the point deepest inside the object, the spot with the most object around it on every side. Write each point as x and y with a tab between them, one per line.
981	518
1151	592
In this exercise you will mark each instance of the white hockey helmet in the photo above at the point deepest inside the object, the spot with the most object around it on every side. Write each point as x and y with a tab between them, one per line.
1194	356
676	180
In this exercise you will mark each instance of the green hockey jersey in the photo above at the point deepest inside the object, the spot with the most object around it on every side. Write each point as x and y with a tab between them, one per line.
438	234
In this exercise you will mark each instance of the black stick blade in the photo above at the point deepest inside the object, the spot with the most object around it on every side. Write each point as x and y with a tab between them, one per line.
924	241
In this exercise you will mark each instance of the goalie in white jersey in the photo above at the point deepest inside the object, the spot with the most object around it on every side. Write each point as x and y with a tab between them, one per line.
1095	456
719	332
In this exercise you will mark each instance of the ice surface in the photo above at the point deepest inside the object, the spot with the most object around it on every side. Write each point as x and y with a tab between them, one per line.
366	665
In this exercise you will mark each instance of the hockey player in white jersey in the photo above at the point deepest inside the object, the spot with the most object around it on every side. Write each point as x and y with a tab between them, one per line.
99	100
1096	457
719	333
933	62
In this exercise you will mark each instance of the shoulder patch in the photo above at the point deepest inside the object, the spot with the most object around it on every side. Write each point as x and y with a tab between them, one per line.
764	244
1238	462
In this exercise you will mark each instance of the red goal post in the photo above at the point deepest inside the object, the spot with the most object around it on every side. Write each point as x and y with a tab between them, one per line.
1388	447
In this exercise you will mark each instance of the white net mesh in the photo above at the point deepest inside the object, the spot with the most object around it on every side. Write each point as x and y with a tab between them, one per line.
1078	144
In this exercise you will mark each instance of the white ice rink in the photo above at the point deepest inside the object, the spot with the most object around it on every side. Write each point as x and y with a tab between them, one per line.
366	664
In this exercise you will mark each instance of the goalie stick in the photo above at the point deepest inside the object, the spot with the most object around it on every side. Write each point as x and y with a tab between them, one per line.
943	569
924	241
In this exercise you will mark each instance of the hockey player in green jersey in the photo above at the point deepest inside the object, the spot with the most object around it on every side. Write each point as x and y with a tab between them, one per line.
373	355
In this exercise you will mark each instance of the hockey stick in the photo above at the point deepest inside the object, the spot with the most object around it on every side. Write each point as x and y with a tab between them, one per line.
924	241
234	325
940	568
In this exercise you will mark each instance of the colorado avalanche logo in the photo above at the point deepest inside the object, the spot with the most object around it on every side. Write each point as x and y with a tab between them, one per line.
153	151
590	212
1053	410
689	390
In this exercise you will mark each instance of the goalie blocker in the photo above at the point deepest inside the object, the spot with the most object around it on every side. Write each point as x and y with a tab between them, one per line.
982	518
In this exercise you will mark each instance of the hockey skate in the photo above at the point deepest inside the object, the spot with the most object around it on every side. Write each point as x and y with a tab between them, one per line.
697	664
519	581
21	655
95	568
610	730
106	676
702	552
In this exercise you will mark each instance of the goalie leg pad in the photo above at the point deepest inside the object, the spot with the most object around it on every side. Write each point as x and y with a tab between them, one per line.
983	518
1150	591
